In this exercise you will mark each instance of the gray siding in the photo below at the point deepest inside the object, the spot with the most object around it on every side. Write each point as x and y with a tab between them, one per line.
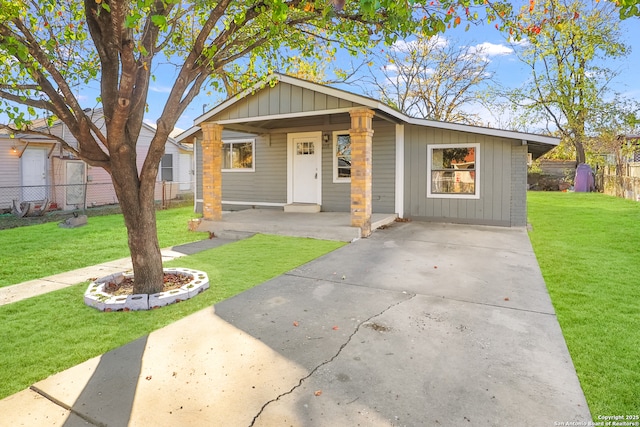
263	185
384	168
281	99
268	183
495	166
336	197
518	185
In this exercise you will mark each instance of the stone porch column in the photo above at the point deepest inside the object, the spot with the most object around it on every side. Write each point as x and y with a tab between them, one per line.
211	171
361	134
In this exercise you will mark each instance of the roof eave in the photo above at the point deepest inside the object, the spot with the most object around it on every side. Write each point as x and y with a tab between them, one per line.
523	136
369	103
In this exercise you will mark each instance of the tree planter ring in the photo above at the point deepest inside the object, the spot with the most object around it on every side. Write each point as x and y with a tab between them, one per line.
96	297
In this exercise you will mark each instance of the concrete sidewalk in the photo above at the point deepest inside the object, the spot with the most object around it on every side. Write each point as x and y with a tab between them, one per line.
421	324
37	287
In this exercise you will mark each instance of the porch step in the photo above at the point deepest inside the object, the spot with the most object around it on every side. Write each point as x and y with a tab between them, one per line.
302	208
384	220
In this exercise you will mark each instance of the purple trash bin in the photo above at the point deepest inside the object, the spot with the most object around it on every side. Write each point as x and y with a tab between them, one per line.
584	181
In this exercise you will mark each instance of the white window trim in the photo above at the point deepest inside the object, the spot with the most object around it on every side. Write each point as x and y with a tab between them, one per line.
336	179
162	168
253	151
430	149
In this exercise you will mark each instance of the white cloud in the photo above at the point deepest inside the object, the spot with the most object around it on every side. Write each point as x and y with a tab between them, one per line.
520	43
404	45
391	68
488	50
160	89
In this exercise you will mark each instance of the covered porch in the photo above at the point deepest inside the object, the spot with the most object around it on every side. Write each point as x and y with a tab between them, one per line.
322	225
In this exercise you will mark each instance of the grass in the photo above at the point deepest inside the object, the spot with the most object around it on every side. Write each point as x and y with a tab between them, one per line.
588	248
52	332
45	249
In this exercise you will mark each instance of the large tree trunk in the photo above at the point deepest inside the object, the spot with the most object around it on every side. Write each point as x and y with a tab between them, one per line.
143	245
136	198
580	155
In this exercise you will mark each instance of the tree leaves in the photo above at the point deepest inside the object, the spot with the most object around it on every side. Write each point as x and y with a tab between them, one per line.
628	8
567	88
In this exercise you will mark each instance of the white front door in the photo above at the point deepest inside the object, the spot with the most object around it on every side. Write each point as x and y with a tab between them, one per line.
34	174
305	167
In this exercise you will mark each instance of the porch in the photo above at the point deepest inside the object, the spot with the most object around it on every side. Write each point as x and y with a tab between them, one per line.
322	225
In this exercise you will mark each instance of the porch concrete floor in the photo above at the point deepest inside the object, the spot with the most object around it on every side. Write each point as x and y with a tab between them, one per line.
322	225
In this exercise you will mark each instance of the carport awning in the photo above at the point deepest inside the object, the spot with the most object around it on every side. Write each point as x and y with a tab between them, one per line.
538	149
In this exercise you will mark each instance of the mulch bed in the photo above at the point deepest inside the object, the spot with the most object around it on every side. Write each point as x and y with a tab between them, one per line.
171	281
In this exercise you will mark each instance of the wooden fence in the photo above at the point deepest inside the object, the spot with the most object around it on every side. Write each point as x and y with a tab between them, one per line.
623	183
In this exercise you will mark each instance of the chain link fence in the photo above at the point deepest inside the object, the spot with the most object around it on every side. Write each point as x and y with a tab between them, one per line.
29	201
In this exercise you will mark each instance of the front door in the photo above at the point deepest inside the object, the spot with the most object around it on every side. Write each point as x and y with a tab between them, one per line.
34	174
305	167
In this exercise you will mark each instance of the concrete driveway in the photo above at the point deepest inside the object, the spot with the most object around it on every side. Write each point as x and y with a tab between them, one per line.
421	324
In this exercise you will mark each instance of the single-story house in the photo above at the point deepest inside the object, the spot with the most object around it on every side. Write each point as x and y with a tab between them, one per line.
290	142
37	168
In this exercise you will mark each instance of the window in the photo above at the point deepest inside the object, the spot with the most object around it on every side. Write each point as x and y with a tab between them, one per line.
341	157
166	167
452	171
238	155
304	148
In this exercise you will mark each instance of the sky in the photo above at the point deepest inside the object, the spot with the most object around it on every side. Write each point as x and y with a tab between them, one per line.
508	70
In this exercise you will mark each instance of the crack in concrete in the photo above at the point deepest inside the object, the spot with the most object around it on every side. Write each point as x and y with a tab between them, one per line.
427	295
326	362
63	405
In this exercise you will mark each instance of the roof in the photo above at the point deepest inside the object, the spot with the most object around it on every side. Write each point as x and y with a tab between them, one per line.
537	143
40	124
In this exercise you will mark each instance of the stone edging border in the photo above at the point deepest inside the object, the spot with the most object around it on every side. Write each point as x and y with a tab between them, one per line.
95	296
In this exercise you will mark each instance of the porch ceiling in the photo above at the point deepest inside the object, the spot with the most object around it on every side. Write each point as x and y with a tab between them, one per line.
327	121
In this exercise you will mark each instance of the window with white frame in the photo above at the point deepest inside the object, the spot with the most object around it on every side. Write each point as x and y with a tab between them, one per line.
452	171
238	155
166	168
341	156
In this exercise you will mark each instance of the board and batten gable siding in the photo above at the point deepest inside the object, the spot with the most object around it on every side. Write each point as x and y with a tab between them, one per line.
283	98
498	166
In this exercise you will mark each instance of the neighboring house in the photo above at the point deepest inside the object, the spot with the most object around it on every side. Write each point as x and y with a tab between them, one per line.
630	145
292	142
37	168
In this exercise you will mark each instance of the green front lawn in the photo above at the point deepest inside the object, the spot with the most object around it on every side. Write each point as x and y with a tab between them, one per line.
42	250
588	247
55	331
